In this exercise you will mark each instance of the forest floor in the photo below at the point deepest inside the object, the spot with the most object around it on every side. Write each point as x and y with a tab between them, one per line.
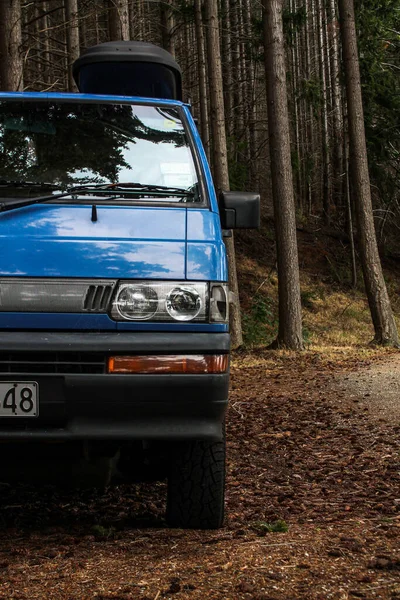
309	451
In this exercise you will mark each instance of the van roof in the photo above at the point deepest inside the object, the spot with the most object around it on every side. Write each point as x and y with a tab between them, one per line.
72	97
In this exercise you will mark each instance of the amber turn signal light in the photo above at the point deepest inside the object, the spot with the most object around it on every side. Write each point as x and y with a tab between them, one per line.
195	364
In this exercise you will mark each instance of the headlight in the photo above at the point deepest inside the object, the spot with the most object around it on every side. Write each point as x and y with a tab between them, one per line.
161	301
138	302
183	304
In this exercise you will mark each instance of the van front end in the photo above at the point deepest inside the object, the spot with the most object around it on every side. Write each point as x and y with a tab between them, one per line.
141	390
63	377
114	301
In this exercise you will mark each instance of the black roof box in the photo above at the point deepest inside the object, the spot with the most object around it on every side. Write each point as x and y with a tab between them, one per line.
128	69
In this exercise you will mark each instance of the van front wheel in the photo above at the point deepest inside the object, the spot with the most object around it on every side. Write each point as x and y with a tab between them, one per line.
196	485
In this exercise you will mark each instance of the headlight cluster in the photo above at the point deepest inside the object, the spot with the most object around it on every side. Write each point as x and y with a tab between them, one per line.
170	301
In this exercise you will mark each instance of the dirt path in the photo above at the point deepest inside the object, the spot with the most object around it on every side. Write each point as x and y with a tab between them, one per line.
300	451
377	387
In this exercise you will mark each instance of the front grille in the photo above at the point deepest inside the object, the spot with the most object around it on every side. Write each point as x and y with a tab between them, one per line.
97	297
56	295
52	362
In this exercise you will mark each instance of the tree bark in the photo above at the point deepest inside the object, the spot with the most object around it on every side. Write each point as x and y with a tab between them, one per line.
301	111
349	213
227	68
237	109
44	25
336	107
378	298
119	20
290	326
326	170
11	63
141	12
201	60
295	104
71	8
167	26
220	157
310	133
250	94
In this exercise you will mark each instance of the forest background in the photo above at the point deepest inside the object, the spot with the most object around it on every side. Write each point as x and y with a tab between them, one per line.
313	468
40	40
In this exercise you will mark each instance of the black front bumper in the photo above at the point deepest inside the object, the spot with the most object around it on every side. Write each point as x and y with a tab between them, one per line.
118	407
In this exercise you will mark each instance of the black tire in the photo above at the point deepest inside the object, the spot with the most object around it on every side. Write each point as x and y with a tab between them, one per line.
196	485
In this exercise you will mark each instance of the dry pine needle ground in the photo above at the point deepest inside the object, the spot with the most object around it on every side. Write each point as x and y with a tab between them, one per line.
301	450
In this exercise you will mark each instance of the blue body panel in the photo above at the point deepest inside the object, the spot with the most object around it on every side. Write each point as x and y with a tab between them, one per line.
56	321
126	243
61	241
135	242
72	97
206	255
73	322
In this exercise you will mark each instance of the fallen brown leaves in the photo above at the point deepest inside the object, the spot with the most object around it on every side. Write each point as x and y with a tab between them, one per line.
299	451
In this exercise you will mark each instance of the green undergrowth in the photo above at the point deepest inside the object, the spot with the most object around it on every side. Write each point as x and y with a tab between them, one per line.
101	532
262	527
331	316
335	315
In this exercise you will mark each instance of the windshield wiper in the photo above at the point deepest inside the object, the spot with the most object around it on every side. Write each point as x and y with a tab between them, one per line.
149	187
190	194
20	203
5	183
135	188
117	188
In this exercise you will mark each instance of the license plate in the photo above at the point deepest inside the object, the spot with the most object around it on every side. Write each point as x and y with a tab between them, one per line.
19	399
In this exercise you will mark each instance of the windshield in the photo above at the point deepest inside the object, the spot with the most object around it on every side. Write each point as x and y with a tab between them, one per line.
61	144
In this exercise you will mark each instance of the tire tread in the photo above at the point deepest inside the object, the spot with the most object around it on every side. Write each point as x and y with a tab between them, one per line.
196	485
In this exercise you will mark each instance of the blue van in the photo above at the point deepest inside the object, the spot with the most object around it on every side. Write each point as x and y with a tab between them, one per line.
114	302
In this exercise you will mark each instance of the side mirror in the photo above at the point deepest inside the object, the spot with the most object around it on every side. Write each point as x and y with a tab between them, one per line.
239	210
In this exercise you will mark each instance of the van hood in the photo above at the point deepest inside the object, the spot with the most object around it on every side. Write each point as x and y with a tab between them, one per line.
60	240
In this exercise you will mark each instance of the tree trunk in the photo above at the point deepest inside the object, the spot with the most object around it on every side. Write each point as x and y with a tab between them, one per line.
201	60
316	127
44	24
244	154
237	112
227	68
336	108
301	111
167	26
250	94
119	20
378	299
294	94
11	63
220	157
349	214
187	59
310	134
37	82
290	327
141	20
71	8
324	116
